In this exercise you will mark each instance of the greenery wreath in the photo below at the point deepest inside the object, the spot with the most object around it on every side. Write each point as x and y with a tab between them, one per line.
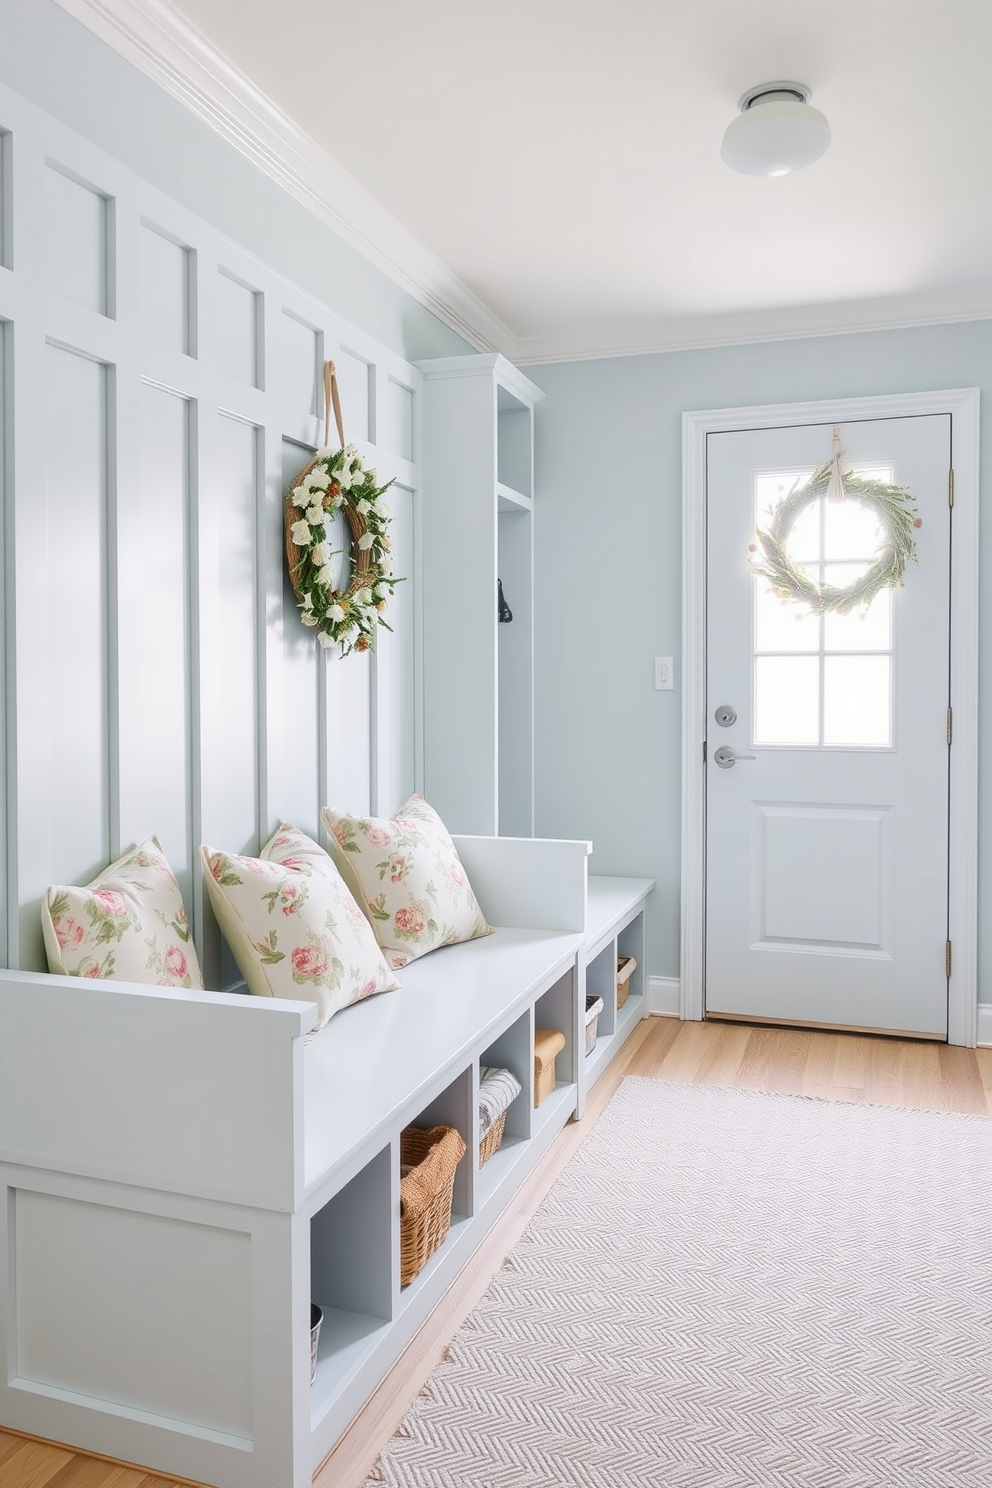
338	480
897	519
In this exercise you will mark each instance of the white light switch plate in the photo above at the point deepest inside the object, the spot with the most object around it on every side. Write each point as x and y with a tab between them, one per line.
664	670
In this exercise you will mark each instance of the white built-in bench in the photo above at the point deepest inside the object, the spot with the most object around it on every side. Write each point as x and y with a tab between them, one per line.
184	1172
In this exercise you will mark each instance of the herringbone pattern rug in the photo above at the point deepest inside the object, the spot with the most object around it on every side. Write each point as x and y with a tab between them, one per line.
727	1289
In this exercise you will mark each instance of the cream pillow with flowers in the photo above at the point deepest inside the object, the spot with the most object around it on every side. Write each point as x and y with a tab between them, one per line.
129	924
292	925
407	876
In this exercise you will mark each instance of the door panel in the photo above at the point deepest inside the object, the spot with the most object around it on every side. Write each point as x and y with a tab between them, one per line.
826	842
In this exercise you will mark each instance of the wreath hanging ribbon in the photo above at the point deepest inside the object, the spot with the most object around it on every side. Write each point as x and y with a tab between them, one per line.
339	480
897	519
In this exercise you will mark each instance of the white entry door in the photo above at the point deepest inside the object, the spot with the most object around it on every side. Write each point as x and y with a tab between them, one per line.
827	839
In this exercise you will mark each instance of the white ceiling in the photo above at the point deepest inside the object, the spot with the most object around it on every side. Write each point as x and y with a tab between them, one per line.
559	160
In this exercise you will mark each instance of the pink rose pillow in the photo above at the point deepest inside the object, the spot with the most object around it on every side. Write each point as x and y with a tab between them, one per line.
407	876
129	924
292	925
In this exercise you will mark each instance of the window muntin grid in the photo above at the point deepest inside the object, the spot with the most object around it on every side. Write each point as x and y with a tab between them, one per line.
821	681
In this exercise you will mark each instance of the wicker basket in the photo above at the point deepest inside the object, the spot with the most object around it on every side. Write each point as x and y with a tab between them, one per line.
594	1006
490	1142
428	1160
626	966
548	1043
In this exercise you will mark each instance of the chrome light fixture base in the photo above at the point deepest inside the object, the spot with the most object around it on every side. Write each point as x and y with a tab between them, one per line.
776	132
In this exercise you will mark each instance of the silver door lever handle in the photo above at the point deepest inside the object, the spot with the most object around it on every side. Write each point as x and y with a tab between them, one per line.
726	757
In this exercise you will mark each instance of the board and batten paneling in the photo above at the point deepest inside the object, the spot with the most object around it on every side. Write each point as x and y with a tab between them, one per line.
159	390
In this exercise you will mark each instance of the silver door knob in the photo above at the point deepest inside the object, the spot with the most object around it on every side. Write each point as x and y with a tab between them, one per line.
725	715
727	758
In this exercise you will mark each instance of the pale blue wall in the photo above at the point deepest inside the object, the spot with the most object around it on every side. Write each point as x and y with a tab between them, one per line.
64	69
608	535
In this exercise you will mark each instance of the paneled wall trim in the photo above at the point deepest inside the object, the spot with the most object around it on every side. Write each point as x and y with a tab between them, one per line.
158	390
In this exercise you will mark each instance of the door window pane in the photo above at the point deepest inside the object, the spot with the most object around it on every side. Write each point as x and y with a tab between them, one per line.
787	700
857	700
781	625
859	630
850	530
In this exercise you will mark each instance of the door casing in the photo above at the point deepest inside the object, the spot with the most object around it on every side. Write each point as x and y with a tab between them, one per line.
963	405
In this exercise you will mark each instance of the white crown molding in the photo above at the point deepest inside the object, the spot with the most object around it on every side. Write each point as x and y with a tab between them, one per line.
746	327
157	39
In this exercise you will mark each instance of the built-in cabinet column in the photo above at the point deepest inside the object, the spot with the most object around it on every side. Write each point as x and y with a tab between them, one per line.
479	672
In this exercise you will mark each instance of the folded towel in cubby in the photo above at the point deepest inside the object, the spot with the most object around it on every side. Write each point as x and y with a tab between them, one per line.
497	1088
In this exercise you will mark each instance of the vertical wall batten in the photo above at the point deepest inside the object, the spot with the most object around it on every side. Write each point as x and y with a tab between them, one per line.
7	670
156	677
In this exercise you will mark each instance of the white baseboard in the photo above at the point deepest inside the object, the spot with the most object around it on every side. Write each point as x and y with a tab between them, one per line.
663	997
985	1025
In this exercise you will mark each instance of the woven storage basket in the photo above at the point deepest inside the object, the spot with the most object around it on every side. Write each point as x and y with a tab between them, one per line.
490	1142
548	1044
428	1160
594	1006
626	966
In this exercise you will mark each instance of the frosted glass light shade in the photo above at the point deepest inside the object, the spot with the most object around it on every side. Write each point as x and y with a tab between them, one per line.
774	138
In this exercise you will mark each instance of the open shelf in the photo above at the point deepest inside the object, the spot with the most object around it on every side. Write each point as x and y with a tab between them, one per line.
499	1168
347	1341
551	1107
508	500
460	1231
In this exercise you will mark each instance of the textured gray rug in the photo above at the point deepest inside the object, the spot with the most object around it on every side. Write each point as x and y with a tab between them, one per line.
728	1289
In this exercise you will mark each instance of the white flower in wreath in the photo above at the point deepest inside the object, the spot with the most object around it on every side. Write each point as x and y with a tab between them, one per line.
318	479
335	612
301	496
307	601
325	639
386	564
364	597
343	479
363	507
326	576
300	533
309	618
366	540
320	555
325	453
315	515
381	592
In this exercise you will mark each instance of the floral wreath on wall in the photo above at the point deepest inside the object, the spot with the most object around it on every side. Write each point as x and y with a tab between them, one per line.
897	519
339	480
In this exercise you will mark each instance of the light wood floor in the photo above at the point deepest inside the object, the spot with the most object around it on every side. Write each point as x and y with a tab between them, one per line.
830	1066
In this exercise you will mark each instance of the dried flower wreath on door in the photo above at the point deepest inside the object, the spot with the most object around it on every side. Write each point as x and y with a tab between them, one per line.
339	480
896	521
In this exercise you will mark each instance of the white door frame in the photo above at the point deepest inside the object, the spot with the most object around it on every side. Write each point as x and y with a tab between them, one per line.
962	404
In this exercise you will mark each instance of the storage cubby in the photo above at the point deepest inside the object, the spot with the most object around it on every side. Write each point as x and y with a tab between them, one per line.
514	443
455	1106
479	476
601	981
515	645
558	1008
513	1050
353	1265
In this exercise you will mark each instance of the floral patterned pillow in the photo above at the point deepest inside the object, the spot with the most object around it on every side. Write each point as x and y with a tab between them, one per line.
129	924
292	925
409	879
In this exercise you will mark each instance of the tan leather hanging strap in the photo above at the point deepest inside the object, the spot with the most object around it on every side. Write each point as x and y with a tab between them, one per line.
332	400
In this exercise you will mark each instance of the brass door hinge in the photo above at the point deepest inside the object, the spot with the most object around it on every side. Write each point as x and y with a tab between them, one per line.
947	959
950	724
950	488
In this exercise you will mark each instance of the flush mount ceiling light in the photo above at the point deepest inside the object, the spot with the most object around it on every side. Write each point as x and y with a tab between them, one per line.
776	132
